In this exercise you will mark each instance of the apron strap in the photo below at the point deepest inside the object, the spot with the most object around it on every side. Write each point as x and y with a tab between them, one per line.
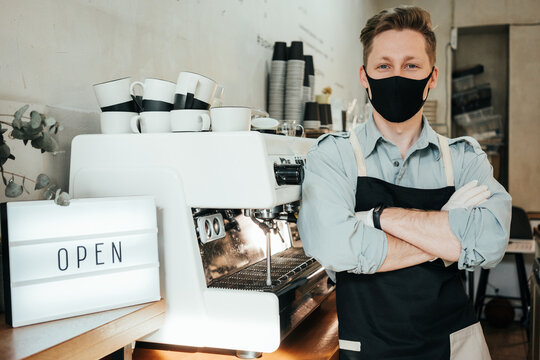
358	154
447	159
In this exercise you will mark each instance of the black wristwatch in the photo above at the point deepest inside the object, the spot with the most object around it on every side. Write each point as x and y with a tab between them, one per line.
377	211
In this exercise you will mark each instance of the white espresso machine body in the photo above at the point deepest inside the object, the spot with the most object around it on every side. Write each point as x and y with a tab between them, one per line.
183	171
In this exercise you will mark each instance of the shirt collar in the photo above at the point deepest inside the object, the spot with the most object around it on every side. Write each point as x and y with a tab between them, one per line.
427	136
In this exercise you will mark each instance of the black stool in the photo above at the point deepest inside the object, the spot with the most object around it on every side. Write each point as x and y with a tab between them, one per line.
520	228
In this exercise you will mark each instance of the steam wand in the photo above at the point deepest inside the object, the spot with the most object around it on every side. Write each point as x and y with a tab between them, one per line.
267	226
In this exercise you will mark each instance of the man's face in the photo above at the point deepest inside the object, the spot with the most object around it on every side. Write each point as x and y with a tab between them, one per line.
399	53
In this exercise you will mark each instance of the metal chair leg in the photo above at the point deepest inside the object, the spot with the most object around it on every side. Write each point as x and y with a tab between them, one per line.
481	292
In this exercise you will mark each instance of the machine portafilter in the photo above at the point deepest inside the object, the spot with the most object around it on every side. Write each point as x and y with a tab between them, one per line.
266	219
285	174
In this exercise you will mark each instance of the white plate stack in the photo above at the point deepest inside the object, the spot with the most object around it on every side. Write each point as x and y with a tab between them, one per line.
294	82
278	72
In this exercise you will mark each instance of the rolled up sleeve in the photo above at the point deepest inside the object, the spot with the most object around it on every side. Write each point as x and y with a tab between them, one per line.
483	230
328	228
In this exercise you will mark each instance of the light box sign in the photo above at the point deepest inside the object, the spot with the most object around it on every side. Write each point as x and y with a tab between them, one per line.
93	255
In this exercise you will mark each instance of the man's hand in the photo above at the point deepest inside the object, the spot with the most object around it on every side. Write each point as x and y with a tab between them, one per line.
366	217
468	195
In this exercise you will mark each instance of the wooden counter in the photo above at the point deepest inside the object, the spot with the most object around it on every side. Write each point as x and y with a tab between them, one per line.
316	338
82	337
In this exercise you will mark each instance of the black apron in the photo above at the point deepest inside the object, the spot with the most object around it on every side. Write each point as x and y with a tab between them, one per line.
407	313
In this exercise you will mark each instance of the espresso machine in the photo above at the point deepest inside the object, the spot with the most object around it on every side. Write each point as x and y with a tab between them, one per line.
232	269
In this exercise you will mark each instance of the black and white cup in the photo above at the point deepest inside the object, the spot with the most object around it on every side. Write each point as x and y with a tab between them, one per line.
114	96
157	94
116	122
190	120
194	91
151	122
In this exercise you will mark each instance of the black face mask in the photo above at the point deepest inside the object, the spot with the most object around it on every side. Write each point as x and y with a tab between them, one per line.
396	98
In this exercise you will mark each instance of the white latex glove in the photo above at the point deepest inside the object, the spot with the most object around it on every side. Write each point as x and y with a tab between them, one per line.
468	195
366	217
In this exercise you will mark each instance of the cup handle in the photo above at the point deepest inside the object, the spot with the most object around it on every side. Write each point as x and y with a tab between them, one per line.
301	127
133	84
133	124
205	121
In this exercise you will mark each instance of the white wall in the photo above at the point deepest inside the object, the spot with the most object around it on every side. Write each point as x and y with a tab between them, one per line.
52	51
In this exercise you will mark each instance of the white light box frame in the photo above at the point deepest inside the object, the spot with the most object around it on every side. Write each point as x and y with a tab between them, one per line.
93	255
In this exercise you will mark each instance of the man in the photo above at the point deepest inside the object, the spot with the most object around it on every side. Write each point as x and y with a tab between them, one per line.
380	210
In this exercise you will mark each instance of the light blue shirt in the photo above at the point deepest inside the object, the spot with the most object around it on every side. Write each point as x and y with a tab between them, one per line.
340	242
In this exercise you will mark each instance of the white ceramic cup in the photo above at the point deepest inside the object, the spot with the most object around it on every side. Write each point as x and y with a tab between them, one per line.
155	89
190	120
233	118
151	122
116	122
201	88
113	92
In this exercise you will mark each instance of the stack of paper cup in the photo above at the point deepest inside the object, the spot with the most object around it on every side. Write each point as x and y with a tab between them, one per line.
278	72
306	92
294	82
311	74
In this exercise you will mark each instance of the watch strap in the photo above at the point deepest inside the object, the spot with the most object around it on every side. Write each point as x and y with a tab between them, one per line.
377	211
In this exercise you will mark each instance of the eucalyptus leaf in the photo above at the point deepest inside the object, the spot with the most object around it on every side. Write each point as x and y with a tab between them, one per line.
49	121
5	151
17	134
19	113
49	143
17	123
48	195
37	143
29	130
35	119
60	128
62	198
13	189
33	135
42	181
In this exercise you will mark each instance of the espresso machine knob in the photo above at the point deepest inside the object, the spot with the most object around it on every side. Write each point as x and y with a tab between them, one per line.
289	174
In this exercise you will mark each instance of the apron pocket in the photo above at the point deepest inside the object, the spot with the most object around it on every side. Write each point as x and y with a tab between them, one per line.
469	343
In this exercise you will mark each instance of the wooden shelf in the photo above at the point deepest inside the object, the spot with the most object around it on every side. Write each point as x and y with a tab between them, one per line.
91	336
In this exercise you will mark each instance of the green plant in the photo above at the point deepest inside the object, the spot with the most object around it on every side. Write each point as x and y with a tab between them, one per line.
39	131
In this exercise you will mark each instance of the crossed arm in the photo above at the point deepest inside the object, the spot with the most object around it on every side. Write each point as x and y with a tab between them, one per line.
417	230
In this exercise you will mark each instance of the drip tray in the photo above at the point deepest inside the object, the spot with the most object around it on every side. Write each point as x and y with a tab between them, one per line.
287	267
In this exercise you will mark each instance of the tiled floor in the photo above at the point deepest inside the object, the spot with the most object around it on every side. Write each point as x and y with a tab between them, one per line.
506	344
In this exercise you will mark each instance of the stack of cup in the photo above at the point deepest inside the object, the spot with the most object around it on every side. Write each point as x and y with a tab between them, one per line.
311	116
294	82
306	92
311	74
157	101
276	90
325	114
193	96
117	105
